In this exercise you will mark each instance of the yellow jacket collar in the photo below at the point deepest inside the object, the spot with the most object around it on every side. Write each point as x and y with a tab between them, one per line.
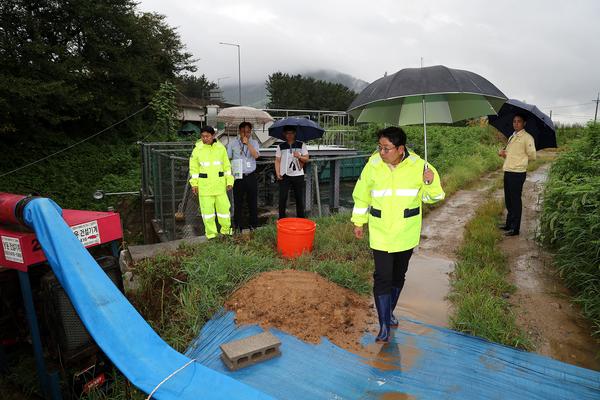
521	132
411	158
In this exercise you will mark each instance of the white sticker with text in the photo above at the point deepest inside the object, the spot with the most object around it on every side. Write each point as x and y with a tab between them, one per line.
12	249
88	233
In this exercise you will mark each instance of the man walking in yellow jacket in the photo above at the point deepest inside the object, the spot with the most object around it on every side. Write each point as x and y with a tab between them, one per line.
388	196
211	178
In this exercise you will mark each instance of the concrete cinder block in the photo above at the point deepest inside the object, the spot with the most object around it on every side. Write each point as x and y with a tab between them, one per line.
251	350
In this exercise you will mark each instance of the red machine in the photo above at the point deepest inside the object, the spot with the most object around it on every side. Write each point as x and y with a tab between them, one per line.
20	248
22	255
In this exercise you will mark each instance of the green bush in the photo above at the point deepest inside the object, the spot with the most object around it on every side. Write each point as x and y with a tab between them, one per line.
570	221
71	177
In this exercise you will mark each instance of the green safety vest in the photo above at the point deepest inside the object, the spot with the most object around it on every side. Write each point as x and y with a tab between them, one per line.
210	169
390	201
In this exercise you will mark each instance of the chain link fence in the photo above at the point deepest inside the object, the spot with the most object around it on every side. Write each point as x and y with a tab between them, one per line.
175	210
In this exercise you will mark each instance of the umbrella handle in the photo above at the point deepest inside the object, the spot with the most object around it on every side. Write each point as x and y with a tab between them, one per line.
424	109
423	106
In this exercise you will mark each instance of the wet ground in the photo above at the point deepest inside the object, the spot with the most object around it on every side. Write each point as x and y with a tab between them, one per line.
424	295
428	278
443	228
542	304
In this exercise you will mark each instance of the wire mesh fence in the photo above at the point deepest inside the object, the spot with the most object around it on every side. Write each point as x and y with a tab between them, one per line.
328	188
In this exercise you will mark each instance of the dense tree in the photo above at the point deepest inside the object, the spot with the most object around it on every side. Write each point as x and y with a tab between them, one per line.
72	65
296	91
194	86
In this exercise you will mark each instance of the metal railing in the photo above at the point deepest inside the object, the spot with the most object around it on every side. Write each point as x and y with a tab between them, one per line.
324	118
175	210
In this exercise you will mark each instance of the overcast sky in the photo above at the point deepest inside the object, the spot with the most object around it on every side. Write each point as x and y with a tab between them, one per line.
544	52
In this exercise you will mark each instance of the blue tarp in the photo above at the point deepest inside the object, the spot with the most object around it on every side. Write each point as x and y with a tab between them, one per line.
120	331
433	363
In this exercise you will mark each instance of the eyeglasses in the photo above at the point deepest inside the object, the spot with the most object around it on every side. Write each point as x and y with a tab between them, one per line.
385	149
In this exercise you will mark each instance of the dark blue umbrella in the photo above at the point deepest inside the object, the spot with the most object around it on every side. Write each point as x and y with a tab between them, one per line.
305	129
538	124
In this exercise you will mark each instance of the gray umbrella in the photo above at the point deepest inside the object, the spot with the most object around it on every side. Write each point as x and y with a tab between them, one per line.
435	94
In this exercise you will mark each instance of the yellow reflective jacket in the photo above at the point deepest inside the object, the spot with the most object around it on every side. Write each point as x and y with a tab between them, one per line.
210	169
390	201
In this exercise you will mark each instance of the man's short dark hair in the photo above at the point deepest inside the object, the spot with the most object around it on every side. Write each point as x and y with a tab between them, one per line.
521	115
289	128
245	124
394	134
208	129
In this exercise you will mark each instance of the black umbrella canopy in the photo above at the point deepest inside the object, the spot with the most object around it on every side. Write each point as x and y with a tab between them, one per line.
437	79
305	129
538	124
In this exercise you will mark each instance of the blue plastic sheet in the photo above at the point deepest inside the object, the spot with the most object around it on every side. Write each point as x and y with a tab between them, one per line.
120	331
422	361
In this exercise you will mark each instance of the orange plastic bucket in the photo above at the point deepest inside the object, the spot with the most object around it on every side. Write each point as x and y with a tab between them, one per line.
295	236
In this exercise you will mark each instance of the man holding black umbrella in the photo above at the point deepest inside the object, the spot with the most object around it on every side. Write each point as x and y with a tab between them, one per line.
290	157
517	153
388	197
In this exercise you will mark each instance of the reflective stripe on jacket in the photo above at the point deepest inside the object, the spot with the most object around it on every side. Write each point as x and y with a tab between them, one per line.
210	169
390	201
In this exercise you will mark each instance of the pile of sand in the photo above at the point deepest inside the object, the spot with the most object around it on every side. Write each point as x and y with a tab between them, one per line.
305	305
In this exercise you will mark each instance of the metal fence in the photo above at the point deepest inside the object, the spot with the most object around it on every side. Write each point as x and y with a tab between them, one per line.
175	210
324	118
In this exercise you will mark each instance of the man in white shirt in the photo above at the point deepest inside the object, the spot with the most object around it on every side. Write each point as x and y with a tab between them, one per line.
290	157
244	151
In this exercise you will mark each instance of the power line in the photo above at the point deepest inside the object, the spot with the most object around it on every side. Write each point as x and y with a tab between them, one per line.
188	99
574	116
568	105
74	144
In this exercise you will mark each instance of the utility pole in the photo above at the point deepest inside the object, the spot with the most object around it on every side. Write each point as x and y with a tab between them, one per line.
596	101
550	115
239	69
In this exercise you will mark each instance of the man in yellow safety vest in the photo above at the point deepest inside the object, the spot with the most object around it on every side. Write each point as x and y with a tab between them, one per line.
388	196
211	178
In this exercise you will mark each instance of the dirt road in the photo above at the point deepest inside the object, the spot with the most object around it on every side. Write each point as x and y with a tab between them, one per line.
427	280
542	303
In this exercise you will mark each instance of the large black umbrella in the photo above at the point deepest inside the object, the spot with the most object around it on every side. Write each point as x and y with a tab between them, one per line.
305	129
538	124
435	94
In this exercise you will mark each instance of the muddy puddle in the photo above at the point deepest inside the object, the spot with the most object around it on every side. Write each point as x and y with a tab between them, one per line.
443	228
542	304
396	396
427	280
391	356
424	295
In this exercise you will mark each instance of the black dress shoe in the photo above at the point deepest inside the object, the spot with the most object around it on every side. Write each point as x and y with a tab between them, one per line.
504	227
512	232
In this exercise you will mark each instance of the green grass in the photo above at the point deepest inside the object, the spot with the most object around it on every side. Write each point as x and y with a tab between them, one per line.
479	283
180	292
570	221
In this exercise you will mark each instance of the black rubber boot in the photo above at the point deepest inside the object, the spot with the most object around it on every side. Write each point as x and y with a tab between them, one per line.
395	296
383	304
